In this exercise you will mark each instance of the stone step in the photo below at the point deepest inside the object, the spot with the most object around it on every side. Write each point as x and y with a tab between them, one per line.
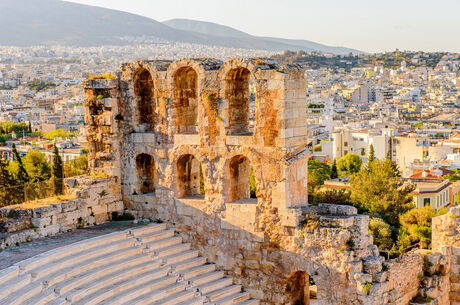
15	284
163	243
196	271
8	274
47	297
148	229
92	263
147	293
59	301
105	288
179	248
189	263
249	302
22	294
195	301
222	293
234	299
216	285
206	278
60	263
176	298
157	235
136	263
69	250
179	258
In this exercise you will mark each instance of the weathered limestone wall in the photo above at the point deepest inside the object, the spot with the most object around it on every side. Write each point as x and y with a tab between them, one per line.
446	240
404	277
95	201
185	134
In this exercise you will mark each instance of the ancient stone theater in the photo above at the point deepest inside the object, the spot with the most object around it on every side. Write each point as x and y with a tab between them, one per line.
212	155
217	150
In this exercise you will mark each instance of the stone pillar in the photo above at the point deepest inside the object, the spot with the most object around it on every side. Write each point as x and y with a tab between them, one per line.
102	117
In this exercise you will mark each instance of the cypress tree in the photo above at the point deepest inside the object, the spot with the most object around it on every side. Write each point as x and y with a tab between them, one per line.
30	127
58	171
334	173
371	156
22	177
6	180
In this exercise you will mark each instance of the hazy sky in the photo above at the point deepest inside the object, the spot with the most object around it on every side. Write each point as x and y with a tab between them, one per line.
369	25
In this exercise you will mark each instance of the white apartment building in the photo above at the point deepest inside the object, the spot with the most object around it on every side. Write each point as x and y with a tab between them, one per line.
347	141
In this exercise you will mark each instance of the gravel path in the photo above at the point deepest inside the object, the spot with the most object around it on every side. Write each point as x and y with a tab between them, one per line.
13	255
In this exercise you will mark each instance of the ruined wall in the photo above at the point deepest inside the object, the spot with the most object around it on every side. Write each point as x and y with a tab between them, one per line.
201	152
95	200
446	240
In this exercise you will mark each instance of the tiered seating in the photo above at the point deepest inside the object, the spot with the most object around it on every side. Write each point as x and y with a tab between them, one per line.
147	265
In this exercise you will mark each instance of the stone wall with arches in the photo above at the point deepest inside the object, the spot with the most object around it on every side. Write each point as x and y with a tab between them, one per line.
227	167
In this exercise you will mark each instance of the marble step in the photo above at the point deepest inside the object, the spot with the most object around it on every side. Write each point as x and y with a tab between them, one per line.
83	246
108	287
148	229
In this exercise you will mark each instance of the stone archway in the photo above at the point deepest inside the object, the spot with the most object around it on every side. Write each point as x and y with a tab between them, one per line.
298	288
238	95
190	181
240	182
144	91
145	167
185	104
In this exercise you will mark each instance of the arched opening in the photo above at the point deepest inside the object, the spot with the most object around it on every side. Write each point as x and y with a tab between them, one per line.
298	289
241	183
143	90
190	180
185	100
145	166
240	95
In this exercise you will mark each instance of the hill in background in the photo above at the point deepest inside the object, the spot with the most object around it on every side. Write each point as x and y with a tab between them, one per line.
55	22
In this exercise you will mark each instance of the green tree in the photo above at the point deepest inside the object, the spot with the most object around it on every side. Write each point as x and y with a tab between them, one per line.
30	127
22	177
453	177
371	156
318	172
76	167
58	171
37	166
58	133
416	227
8	194
379	192
334	173
393	165
5	177
349	164
381	233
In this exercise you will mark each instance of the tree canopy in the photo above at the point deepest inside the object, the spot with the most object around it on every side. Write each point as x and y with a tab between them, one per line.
349	164
416	226
379	192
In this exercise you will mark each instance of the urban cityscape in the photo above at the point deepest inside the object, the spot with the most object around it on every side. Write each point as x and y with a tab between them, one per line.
226	168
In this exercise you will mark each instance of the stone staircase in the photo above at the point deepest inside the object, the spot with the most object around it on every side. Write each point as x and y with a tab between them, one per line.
147	265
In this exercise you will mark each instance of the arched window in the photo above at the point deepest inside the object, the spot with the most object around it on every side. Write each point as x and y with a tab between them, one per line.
190	180
145	167
143	90
240	95
298	288
241	182
185	100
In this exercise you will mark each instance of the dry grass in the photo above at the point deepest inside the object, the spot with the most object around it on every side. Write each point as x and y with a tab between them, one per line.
46	201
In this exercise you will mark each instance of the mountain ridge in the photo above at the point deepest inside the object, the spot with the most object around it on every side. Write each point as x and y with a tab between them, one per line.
56	22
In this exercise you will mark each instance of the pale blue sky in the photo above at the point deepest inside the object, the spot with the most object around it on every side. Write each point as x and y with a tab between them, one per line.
369	25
